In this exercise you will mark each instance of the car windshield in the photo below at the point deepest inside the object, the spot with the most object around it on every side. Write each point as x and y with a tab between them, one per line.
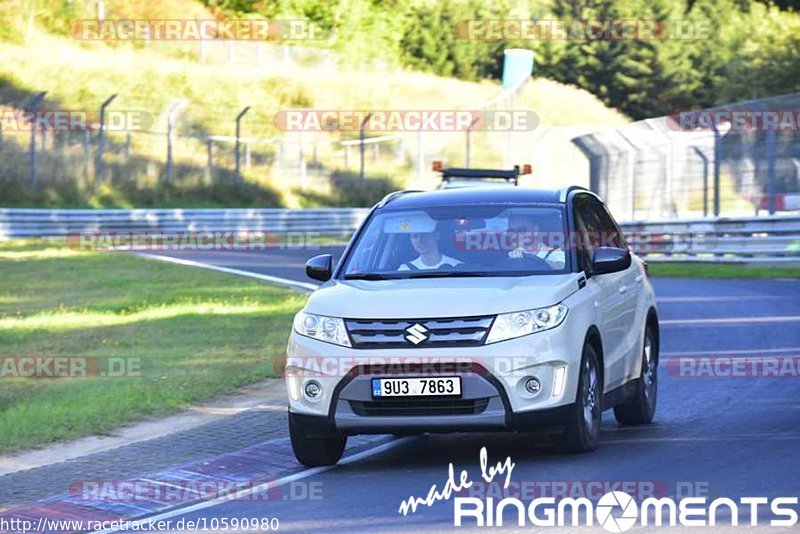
453	241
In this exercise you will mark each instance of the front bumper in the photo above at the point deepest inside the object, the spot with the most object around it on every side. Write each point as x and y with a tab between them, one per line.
492	377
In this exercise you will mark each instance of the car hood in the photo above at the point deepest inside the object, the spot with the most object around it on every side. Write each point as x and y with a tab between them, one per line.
439	297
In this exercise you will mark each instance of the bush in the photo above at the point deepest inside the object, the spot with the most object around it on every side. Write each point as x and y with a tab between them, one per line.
347	190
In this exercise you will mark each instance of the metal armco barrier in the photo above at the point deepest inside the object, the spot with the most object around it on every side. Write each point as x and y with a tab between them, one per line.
745	239
722	239
48	223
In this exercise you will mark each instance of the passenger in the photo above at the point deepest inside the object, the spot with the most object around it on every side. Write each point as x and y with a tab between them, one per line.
430	257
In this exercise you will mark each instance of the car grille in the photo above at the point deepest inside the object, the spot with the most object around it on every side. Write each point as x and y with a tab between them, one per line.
392	333
419	407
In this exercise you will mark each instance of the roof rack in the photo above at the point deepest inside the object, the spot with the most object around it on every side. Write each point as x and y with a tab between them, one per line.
511	175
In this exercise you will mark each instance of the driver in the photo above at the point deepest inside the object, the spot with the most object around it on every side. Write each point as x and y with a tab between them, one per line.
533	244
430	257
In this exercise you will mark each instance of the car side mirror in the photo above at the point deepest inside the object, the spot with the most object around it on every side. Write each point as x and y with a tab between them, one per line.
610	260
320	267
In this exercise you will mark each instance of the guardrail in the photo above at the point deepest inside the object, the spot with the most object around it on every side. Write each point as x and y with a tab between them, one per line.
723	239
719	239
50	223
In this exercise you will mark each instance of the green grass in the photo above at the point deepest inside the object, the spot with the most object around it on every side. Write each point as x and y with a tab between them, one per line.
722	270
198	334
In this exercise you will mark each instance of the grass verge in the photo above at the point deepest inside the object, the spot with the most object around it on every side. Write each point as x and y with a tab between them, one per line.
197	334
722	270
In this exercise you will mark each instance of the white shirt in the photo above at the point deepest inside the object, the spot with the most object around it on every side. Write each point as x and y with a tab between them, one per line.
418	263
555	256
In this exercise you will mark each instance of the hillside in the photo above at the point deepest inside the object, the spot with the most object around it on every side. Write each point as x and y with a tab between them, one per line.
215	87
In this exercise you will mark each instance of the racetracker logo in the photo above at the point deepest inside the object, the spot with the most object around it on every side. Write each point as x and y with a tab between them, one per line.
196	30
345	366
779	120
164	241
427	120
183	490
583	30
71	120
734	367
68	366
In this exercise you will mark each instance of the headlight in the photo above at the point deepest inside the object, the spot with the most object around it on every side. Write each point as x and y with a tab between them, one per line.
517	324
328	329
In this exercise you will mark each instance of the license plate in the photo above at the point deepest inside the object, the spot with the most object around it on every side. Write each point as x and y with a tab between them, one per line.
416	387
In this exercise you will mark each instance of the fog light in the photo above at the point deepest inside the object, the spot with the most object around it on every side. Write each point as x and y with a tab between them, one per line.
533	386
313	390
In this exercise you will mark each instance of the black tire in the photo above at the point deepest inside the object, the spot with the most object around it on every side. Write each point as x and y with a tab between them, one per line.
641	409
315	451
582	429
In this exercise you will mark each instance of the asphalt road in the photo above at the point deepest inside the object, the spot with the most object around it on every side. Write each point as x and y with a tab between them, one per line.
720	437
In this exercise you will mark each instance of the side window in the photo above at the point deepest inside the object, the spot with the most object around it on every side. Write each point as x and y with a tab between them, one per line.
610	233
586	228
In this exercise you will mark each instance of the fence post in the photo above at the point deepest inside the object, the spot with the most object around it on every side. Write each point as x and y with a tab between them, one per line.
238	175
34	105
703	157
86	154
127	145
361	144
469	134
420	155
302	156
101	139
717	158
771	185
170	119
209	162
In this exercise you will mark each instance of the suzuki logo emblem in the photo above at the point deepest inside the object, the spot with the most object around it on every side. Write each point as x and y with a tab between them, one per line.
416	333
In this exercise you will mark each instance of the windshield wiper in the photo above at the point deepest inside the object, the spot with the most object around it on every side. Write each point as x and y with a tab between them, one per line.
447	274
368	276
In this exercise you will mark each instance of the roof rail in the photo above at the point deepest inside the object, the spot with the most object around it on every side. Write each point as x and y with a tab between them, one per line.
569	189
394	194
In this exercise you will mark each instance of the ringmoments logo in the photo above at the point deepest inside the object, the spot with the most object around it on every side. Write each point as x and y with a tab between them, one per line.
616	511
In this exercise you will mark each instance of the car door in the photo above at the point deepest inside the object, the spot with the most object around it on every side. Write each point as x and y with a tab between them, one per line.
611	302
630	288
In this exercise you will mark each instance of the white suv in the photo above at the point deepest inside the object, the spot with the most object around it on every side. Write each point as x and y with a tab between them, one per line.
474	310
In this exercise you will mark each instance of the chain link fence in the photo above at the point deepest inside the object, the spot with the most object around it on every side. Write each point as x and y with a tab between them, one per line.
173	151
733	160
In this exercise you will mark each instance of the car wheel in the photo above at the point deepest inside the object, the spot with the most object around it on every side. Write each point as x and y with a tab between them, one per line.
314	451
582	429
642	407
